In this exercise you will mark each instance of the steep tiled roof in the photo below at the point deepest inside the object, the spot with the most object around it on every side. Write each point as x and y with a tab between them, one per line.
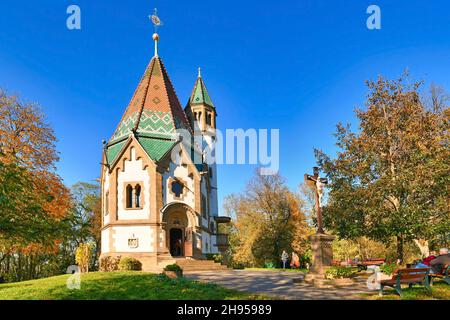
200	94
153	114
156	148
113	150
154	106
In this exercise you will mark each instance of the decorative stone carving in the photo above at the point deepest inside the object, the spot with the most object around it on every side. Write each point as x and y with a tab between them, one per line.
133	243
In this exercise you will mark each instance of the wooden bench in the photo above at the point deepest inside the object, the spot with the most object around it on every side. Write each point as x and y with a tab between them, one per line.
407	276
370	262
444	275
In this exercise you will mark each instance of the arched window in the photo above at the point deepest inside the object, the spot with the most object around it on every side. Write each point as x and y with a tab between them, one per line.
210	173
177	188
137	196
204	207
208	119
107	203
129	196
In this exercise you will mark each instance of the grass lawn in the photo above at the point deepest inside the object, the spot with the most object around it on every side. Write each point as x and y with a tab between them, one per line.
120	285
439	291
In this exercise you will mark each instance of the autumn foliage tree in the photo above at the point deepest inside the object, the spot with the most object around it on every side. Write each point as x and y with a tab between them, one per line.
33	198
268	220
390	179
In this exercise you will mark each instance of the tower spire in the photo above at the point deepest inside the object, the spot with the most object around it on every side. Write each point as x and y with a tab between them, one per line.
156	24
199	72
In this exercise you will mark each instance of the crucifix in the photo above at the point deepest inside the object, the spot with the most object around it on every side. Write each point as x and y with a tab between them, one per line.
319	184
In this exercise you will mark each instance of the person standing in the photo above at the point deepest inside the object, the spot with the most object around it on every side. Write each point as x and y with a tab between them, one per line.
295	261
284	258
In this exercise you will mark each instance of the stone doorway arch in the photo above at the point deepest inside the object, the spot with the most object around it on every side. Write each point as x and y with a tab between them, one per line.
180	223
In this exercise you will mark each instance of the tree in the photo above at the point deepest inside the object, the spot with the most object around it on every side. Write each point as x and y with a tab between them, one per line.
33	199
85	215
32	193
83	256
268	220
391	177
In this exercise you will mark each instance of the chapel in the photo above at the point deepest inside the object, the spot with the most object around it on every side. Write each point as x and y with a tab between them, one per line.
159	195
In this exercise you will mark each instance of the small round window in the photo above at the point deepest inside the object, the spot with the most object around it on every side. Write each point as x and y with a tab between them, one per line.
177	189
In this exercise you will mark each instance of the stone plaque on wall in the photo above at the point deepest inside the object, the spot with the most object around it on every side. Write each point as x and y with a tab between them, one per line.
133	243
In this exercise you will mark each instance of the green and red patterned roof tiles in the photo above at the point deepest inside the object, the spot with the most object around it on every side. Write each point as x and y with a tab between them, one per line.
153	115
200	94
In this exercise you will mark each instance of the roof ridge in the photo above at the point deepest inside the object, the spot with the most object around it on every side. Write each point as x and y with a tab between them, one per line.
132	98
138	120
203	91
177	101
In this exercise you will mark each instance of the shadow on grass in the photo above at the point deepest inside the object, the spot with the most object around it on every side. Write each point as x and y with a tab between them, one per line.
439	291
121	286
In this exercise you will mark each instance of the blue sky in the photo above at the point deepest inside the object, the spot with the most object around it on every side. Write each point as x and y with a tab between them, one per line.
298	66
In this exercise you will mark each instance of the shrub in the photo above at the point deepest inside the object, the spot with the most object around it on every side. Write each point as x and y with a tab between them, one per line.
173	267
130	264
305	259
238	265
338	272
217	257
269	265
388	268
108	264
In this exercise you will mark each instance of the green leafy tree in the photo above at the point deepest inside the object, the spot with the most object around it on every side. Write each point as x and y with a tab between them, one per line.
391	177
268	220
85	216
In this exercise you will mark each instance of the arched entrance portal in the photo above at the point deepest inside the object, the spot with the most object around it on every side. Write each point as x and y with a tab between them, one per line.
176	242
179	224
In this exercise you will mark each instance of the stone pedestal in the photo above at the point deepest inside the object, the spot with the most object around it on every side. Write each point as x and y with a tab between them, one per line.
322	252
322	257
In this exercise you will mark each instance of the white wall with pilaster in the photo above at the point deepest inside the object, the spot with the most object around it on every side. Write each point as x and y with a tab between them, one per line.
181	172
105	241
144	234
214	204
106	214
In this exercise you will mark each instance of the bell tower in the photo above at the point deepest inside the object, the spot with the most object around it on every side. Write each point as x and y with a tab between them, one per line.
200	109
202	115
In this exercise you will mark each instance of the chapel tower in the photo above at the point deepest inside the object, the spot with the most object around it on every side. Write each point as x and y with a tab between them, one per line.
156	209
202	116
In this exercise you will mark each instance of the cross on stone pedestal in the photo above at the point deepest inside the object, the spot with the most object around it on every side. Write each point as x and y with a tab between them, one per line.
319	184
321	243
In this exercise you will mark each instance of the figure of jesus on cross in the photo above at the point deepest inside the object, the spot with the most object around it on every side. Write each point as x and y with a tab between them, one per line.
319	184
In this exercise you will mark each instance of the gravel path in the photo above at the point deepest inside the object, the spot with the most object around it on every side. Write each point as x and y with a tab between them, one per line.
277	284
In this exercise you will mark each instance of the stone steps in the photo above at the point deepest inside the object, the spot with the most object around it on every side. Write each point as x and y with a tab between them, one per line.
200	265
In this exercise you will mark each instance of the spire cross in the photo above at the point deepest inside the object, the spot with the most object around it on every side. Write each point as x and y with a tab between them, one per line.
199	72
319	184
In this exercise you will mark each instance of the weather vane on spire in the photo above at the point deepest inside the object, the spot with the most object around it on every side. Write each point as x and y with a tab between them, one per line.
156	23
155	20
